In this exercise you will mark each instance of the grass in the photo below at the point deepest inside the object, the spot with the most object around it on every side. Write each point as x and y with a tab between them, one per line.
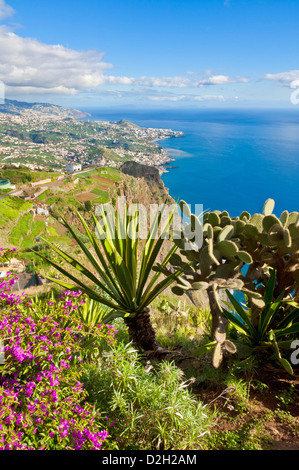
38	228
5	191
44	195
25	175
178	323
26	231
99	192
110	173
153	405
54	200
249	436
146	395
21	229
52	231
12	207
286	418
102	200
59	240
88	174
252	410
287	397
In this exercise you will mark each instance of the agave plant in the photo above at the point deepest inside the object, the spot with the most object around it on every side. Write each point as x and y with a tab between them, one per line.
122	277
92	313
278	319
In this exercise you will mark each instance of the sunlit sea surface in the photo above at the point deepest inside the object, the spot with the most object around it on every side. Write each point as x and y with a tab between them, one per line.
228	160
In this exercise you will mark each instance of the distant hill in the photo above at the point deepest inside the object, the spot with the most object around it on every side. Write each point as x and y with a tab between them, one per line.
41	110
129	124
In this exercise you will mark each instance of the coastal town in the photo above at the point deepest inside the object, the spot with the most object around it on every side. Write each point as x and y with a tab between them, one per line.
52	140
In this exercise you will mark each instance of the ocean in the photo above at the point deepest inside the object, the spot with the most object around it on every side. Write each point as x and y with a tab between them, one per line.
230	160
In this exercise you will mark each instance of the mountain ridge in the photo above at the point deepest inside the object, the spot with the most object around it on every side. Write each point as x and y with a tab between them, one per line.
44	110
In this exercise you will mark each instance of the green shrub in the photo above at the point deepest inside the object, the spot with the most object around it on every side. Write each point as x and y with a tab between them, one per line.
272	330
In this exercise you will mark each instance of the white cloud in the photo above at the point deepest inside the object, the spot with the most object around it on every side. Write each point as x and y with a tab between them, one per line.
177	82
26	62
288	79
5	10
186	98
30	90
28	66
154	95
209	98
222	80
164	82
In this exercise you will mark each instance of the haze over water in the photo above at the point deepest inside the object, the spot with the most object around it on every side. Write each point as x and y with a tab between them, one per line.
229	159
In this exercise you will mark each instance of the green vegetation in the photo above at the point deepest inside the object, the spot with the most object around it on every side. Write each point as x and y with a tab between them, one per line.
24	175
103	199
278	320
190	367
44	195
153	405
44	406
11	208
220	390
51	143
21	229
110	173
25	231
261	242
88	174
99	192
5	191
122	276
45	137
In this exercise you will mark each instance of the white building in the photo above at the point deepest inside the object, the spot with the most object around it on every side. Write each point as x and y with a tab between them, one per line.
73	167
41	211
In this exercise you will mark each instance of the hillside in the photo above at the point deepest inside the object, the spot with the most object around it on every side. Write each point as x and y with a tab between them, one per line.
41	110
37	212
50	136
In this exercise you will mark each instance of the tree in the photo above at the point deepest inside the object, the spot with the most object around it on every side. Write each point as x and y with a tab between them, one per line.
123	278
88	206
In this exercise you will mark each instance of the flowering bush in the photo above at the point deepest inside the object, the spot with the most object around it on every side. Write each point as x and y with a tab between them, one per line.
43	402
7	254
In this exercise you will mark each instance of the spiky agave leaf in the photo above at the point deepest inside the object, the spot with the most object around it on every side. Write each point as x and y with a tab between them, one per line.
128	287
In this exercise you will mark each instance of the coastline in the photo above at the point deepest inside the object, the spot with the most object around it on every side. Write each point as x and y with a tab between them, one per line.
220	145
169	158
163	158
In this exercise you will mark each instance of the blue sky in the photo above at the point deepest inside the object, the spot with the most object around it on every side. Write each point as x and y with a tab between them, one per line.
147	54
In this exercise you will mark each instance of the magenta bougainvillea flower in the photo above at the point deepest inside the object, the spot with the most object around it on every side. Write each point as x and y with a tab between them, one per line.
42	401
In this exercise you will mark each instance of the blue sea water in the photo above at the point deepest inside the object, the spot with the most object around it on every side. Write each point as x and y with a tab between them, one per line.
228	159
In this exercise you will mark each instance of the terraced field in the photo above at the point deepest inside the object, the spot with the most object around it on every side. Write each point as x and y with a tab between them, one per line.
23	229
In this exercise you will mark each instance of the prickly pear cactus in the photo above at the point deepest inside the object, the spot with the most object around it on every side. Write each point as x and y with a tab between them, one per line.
274	245
256	243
